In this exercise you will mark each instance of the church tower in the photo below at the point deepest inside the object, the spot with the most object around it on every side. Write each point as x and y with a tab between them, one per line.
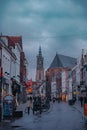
40	68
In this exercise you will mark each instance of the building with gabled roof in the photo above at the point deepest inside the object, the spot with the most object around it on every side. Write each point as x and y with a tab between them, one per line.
59	64
14	40
63	61
14	64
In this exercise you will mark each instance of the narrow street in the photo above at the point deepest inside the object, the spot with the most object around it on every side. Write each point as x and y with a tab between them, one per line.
43	65
61	116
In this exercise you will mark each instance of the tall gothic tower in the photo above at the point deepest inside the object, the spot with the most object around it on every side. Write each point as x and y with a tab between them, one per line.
40	68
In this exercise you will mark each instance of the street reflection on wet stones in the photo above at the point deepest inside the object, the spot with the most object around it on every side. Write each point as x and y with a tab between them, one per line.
60	116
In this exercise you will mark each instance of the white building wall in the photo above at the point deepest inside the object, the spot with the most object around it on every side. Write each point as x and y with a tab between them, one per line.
5	61
63	81
70	88
17	51
53	89
13	67
78	70
9	66
6	64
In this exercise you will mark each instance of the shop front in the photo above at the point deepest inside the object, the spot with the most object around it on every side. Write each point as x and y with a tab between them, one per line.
16	91
8	106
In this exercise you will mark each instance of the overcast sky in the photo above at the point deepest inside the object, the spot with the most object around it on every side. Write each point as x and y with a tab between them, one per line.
55	25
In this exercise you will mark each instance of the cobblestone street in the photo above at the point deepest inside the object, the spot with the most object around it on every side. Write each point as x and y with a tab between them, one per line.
61	116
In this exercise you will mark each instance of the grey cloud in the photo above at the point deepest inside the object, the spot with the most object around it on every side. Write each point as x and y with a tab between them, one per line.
58	26
83	4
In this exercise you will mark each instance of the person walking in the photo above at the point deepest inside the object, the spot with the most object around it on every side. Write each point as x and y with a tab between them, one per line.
81	101
29	102
53	99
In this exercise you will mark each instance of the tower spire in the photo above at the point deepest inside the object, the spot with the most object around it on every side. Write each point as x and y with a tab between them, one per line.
40	67
40	52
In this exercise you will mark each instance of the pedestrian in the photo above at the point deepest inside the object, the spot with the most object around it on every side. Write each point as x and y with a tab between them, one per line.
28	105
53	99
81	101
34	104
31	99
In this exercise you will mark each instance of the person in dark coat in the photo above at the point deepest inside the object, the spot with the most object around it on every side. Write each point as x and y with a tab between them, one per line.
34	104
28	105
81	101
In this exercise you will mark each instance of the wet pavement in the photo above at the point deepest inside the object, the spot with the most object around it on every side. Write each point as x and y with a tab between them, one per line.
61	116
